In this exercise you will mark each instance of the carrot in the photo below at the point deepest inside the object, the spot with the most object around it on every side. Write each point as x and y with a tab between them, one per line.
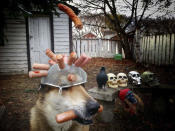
72	15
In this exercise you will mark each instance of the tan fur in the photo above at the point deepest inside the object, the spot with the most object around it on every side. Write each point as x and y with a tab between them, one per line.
50	103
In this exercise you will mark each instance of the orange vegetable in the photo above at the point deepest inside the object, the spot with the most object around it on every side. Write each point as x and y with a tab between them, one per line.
72	15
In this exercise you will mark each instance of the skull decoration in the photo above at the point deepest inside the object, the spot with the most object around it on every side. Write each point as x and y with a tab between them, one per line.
134	78
122	79
150	79
112	80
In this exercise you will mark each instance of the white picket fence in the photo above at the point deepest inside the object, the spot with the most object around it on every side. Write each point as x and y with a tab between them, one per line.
96	47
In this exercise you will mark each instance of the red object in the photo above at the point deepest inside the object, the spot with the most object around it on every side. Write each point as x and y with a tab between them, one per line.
122	94
36	71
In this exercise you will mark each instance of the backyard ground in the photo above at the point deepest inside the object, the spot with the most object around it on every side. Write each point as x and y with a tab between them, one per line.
19	93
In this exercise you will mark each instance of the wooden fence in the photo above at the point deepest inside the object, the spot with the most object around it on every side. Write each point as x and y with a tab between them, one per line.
96	47
158	49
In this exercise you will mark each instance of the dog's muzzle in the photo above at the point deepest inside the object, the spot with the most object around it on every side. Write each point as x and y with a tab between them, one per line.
85	117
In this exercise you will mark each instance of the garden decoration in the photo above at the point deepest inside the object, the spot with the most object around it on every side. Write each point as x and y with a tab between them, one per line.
72	15
129	100
122	80
134	78
150	79
112	80
102	78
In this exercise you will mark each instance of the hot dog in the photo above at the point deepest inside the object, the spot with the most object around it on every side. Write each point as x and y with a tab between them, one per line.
72	15
71	77
51	55
80	60
38	73
51	62
70	115
72	58
41	66
85	61
60	61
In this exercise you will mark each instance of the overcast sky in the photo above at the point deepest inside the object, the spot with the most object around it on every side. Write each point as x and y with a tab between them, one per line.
121	8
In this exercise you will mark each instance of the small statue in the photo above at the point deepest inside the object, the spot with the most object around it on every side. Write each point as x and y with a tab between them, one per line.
134	78
150	79
122	80
112	80
102	78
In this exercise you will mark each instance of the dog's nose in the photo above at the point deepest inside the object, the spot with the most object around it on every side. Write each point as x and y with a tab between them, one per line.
92	107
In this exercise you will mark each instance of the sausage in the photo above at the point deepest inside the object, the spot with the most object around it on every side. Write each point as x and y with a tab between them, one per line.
72	15
71	77
60	61
80	60
51	55
70	115
38	73
72	58
65	116
85	61
51	62
41	66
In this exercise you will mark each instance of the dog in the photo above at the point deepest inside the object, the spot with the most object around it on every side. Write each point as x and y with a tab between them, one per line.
50	103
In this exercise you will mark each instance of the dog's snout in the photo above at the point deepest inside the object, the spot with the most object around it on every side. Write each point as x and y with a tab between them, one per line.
92	107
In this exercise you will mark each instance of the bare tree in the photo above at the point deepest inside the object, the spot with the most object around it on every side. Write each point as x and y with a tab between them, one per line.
136	11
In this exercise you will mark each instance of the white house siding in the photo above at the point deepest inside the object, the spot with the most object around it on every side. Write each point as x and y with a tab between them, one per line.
13	54
61	33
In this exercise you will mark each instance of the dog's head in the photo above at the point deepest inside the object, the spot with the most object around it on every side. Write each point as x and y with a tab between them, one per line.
73	98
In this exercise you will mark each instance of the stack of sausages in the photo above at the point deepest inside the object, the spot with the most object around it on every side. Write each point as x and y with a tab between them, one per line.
41	70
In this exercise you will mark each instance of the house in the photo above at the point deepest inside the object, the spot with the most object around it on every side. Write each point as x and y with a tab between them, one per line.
89	36
26	40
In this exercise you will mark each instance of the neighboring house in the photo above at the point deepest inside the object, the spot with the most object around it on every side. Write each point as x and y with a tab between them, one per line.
89	36
26	40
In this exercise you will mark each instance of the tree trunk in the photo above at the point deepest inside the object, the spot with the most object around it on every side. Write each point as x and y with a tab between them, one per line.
125	45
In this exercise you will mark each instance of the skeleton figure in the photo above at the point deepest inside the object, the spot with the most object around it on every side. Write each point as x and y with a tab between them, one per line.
149	79
112	80
134	78
122	79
